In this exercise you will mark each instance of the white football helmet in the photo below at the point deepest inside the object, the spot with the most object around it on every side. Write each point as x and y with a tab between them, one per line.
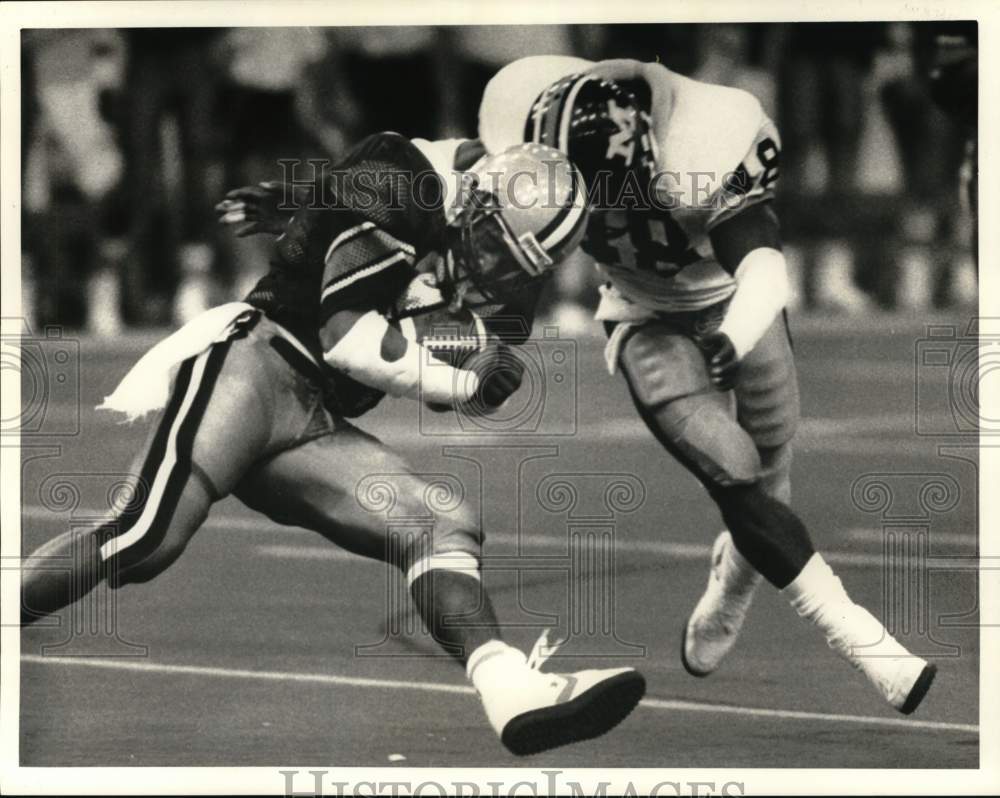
521	212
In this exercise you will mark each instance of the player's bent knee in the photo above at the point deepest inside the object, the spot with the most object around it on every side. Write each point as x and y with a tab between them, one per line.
147	542
145	569
715	447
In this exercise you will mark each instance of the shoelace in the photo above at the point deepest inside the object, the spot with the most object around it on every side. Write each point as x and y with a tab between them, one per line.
543	649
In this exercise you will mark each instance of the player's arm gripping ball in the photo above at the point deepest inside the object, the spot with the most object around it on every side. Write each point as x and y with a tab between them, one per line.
462	341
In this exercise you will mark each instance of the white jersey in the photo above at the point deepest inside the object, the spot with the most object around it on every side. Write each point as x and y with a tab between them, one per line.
716	154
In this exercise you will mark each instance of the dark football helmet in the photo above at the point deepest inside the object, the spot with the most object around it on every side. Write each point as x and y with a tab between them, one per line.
605	132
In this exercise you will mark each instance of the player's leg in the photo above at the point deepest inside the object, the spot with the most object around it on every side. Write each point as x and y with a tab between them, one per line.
213	427
669	384
768	408
332	484
671	389
767	405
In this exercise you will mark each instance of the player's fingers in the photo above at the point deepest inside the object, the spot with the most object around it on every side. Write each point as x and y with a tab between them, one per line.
233	217
230	205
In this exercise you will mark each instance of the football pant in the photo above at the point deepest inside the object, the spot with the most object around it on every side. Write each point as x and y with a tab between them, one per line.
726	438
248	417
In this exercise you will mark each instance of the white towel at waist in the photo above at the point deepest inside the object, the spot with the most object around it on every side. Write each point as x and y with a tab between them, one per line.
146	387
614	306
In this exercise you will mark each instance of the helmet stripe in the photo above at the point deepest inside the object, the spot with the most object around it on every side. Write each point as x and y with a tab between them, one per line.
570	223
566	113
563	212
552	115
535	121
568	220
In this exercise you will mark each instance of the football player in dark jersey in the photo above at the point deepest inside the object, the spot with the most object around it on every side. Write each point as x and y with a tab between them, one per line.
253	400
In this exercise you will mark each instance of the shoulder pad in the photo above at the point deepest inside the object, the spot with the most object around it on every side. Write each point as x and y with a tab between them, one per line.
443	157
703	131
508	97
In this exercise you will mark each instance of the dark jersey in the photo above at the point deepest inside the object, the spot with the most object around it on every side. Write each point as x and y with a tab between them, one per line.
376	214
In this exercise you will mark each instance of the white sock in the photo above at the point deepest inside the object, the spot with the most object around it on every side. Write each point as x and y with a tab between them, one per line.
815	589
854	633
487	664
818	595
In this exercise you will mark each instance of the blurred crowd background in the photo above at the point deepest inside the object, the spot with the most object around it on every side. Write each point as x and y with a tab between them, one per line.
131	136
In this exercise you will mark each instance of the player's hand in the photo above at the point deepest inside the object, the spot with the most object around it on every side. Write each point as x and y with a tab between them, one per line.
720	355
499	373
255	209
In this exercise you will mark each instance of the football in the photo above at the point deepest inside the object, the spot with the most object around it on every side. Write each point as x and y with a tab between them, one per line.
450	335
459	338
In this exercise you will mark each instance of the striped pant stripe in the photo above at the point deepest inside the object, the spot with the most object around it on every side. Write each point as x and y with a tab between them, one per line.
167	467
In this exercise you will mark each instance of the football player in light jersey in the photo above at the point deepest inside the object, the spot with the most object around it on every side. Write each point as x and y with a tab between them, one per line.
253	399
680	175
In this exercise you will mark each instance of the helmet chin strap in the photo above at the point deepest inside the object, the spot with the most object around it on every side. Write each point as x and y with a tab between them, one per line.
447	282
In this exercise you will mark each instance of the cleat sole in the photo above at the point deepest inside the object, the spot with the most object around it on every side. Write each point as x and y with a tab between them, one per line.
589	715
919	689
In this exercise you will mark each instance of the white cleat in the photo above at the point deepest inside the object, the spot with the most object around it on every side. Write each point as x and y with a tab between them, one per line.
901	678
533	711
715	623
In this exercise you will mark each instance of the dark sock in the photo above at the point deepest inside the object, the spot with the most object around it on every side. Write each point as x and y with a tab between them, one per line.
766	532
456	610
